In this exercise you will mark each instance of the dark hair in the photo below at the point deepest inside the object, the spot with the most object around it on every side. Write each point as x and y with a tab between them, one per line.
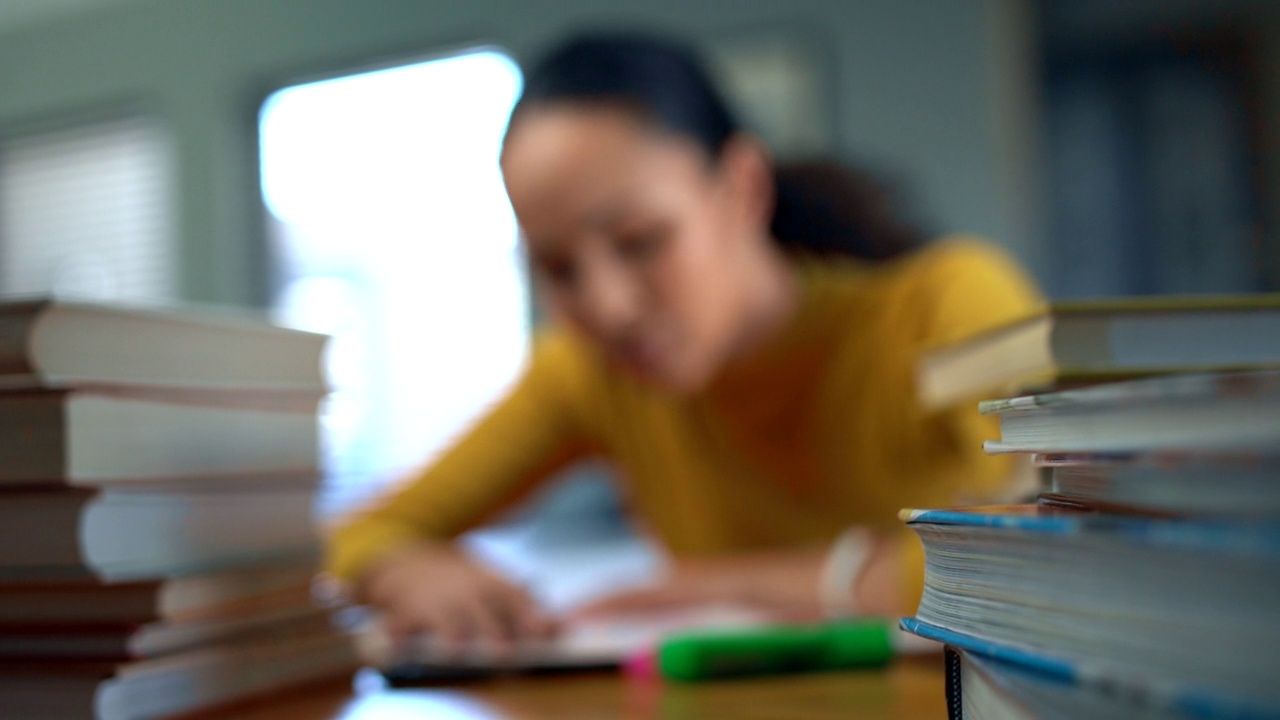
838	209
817	211
661	79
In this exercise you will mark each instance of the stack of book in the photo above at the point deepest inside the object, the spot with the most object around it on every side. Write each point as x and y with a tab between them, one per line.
157	477
1143	583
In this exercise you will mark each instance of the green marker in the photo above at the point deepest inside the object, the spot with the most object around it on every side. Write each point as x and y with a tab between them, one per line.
771	650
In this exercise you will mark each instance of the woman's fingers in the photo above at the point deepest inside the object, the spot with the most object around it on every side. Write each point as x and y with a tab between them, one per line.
439	591
399	625
512	615
456	628
527	618
535	623
493	617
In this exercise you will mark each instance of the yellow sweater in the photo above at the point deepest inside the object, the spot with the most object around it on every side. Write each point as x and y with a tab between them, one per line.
813	432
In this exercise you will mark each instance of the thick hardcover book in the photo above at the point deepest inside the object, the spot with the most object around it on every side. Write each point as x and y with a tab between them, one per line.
986	679
1117	591
56	344
183	682
118	643
133	534
1214	412
1090	341
1187	483
258	588
83	437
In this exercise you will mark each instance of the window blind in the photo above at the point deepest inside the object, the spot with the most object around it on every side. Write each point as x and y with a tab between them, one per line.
86	213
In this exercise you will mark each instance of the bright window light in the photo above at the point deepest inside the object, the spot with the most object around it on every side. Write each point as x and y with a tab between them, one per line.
392	232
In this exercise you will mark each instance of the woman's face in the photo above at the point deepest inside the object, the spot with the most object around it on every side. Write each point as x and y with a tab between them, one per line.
636	238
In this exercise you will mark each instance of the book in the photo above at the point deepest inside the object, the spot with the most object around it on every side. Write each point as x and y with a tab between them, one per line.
119	642
1219	412
1242	485
56	344
131	533
240	591
1115	592
990	681
183	682
1050	502
84	437
1102	340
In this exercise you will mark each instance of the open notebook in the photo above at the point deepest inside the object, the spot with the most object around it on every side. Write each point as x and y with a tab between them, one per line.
595	643
561	578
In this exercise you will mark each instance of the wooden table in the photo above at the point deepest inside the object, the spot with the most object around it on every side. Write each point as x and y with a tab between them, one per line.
910	688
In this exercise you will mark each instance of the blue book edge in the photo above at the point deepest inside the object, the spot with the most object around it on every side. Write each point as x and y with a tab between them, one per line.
1190	701
1254	538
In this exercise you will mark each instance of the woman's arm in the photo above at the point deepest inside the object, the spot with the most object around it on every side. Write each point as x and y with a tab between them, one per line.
399	556
964	289
970	288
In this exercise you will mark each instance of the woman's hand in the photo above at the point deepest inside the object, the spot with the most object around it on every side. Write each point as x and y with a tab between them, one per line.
436	588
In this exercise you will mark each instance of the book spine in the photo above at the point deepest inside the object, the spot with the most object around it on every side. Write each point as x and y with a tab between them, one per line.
33	437
1065	503
955	703
15	333
1006	405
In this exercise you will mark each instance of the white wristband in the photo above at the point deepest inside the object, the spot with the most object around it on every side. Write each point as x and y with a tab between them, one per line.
843	565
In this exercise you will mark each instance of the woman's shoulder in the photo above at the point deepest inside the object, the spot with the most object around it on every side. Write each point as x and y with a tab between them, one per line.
961	256
962	284
946	290
963	259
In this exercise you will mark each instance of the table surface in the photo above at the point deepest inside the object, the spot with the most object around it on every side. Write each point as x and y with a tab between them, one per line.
909	688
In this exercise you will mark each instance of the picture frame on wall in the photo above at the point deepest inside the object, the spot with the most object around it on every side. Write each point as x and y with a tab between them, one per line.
780	80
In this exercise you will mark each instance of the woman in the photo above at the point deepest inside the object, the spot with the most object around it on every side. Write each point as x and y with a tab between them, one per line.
757	401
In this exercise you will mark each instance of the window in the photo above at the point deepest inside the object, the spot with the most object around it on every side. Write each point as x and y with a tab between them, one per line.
86	212
392	233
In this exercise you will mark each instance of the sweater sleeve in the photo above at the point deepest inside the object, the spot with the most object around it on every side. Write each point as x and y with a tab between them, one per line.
535	430
965	288
975	288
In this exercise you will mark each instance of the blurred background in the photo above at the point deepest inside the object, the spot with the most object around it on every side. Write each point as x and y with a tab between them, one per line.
333	162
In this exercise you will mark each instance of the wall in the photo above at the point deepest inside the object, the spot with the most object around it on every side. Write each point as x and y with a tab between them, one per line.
1269	131
918	88
1089	28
